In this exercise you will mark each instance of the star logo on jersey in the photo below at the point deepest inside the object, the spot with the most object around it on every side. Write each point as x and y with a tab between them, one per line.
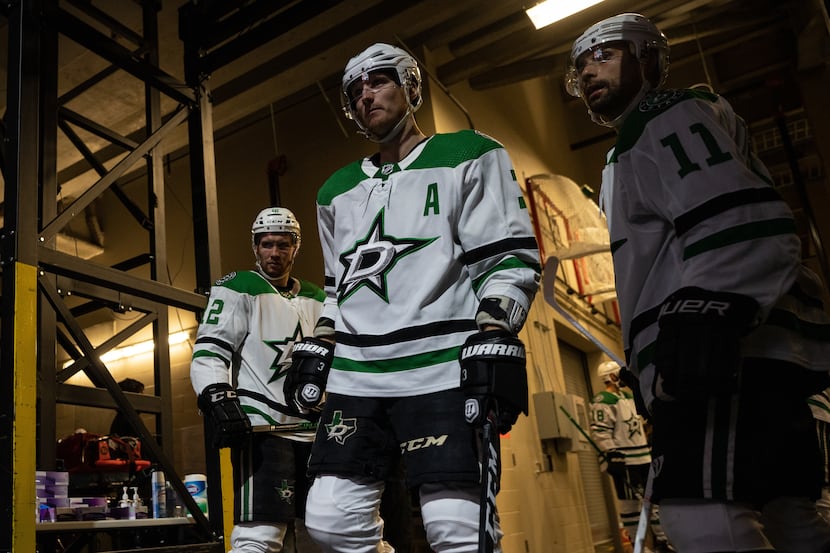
283	348
635	427
368	263
340	429
285	491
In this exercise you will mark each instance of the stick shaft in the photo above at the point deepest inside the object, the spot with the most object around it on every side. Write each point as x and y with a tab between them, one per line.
490	476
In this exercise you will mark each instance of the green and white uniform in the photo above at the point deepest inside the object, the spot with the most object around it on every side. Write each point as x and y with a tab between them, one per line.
245	338
616	425
688	204
410	249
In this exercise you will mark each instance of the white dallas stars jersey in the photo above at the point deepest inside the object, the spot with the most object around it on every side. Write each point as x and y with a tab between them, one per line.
820	405
246	334
687	204
615	424
410	248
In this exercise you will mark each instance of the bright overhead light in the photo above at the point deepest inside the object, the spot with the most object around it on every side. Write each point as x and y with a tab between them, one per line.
134	350
549	11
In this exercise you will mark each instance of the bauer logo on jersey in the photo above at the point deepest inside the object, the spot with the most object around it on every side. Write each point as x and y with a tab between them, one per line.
494	350
370	261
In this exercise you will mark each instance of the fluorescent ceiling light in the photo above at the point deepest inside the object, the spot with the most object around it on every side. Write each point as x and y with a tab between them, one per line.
138	349
549	11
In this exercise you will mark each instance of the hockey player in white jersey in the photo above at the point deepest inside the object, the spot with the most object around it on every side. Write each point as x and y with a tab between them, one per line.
714	302
619	432
428	246
242	352
820	407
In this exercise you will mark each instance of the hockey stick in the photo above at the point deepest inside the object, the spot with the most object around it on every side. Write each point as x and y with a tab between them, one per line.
490	475
308	425
549	290
645	513
600	453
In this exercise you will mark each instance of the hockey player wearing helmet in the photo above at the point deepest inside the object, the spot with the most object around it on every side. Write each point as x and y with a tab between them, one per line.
714	301
618	431
428	250
243	348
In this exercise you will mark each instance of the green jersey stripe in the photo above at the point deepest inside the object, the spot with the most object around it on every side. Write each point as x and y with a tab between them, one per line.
398	364
740	233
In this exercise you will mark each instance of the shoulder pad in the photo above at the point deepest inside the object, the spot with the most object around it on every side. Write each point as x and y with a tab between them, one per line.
605	397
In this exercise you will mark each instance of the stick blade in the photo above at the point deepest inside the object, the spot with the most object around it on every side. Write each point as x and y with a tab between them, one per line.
549	279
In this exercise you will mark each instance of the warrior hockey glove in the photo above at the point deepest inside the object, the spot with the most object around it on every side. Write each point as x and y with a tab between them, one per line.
697	353
493	378
229	424
306	378
613	463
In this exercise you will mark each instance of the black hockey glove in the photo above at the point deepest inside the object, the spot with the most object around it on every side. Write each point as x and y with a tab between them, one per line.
229	425
697	353
493	377
613	463
306	378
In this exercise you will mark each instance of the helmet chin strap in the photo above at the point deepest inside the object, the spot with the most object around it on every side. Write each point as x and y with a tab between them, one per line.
395	131
615	123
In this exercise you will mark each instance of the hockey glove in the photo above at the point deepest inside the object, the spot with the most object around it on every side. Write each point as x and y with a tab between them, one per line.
306	378
229	425
493	378
613	463
697	352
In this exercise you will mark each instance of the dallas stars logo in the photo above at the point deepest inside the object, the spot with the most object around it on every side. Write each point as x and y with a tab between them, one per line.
370	260
339	429
283	348
635	426
285	491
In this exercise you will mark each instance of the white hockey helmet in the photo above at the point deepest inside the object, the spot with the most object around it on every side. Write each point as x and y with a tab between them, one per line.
633	28
606	369
377	57
276	219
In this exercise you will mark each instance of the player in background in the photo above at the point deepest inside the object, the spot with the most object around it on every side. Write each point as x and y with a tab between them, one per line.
820	407
242	351
427	246
618	431
714	300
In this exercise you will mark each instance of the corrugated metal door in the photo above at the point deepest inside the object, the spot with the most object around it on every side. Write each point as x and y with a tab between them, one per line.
577	382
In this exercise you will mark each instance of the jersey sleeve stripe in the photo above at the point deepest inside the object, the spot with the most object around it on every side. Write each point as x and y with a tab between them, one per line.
740	233
722	203
511	263
215	341
206	353
508	245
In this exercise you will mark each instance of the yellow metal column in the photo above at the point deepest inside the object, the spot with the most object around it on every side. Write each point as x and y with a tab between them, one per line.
25	408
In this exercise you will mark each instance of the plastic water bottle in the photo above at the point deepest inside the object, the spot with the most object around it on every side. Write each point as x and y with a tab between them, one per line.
159	494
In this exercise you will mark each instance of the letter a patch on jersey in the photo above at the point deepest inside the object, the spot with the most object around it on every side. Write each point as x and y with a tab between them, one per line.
431	203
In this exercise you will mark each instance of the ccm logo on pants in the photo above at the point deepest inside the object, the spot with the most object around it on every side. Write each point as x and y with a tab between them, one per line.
421	443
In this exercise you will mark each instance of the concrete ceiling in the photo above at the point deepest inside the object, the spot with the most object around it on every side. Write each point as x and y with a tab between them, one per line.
484	43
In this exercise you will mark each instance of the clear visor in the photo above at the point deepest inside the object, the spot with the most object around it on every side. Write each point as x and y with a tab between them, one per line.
373	82
600	53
